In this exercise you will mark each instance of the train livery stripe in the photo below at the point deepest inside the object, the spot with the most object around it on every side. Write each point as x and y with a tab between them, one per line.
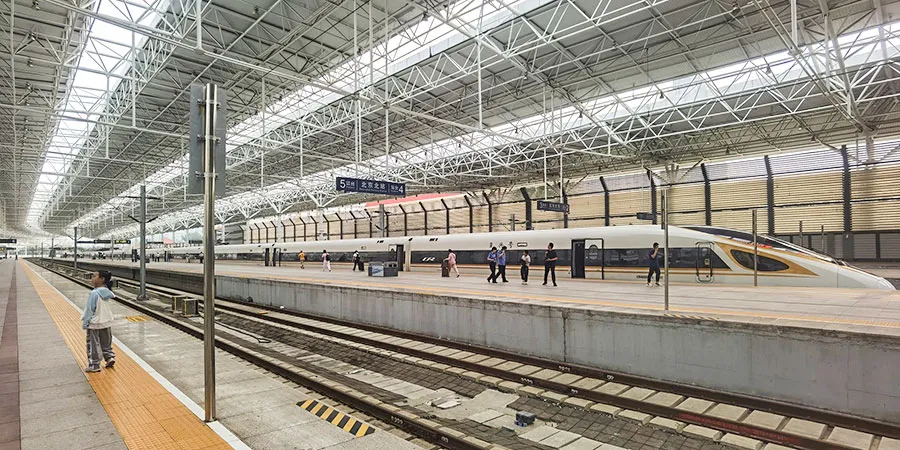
337	418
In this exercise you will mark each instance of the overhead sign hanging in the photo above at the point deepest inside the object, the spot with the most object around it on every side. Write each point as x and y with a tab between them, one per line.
7	241
371	186
552	206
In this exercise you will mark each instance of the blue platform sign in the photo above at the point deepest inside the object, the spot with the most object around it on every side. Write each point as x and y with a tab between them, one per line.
552	206
371	186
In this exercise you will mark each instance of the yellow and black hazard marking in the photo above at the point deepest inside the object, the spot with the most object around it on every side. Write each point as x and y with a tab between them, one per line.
685	316
337	418
136	318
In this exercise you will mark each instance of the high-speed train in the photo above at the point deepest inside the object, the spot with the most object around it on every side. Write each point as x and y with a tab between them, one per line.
699	254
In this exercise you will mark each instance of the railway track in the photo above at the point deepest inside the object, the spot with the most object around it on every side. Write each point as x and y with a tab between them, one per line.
689	410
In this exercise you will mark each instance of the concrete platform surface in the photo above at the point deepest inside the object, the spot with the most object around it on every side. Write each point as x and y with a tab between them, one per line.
259	408
876	311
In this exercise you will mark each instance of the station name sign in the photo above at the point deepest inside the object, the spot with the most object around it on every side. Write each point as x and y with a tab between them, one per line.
371	186
7	241
106	241
552	206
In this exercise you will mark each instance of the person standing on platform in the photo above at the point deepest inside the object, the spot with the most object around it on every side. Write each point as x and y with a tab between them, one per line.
326	261
302	257
524	262
451	262
654	264
550	259
97	320
356	261
492	261
280	257
501	265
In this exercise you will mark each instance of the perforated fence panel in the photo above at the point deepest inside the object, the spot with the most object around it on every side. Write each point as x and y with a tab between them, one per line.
890	246
864	246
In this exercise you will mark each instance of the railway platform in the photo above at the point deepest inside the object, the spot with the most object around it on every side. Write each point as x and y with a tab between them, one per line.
151	399
828	348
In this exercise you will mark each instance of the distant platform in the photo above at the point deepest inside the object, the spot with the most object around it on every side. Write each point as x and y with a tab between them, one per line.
817	307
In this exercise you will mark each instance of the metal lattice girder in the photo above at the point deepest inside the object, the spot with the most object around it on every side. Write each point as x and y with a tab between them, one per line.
145	64
705	114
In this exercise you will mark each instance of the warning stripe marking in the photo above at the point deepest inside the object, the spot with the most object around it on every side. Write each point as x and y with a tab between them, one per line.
687	316
337	418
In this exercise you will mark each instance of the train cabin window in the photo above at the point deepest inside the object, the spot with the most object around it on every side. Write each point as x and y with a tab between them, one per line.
379	242
765	264
432	239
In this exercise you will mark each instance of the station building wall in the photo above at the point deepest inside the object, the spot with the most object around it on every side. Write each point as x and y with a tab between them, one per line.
862	213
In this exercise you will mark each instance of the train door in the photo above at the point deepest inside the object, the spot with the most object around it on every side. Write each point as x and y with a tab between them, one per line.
595	255
399	255
578	259
703	262
266	257
587	253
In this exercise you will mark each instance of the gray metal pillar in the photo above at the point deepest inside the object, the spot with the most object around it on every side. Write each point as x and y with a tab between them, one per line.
142	293
755	251
209	253
382	222
665	224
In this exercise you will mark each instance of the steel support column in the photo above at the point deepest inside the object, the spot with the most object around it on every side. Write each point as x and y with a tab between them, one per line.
447	210
770	196
707	195
405	221
528	213
490	212
653	209
425	215
471	216
849	252
605	201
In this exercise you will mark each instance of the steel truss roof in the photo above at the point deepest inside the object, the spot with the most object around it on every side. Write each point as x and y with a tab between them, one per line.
461	97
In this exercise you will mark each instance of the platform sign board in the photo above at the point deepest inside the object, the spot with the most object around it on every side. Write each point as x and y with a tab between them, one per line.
370	186
105	241
552	206
196	141
7	241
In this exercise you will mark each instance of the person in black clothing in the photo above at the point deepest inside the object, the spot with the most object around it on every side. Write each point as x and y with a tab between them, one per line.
501	265
492	261
550	259
356	261
654	264
280	258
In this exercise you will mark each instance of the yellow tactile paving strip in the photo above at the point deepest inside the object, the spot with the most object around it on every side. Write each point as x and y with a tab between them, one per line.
145	413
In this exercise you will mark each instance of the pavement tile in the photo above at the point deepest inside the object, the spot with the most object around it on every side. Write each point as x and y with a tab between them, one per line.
764	420
727	412
583	443
850	438
668	424
611	388
804	428
741	442
701	432
637	393
694	405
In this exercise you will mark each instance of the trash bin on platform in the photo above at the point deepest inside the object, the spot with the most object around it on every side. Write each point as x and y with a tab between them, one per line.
391	269
445	269
376	269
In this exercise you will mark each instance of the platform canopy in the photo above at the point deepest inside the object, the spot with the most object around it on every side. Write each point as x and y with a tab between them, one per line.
443	96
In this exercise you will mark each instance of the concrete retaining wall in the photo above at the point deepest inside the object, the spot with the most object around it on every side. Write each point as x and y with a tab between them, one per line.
850	372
